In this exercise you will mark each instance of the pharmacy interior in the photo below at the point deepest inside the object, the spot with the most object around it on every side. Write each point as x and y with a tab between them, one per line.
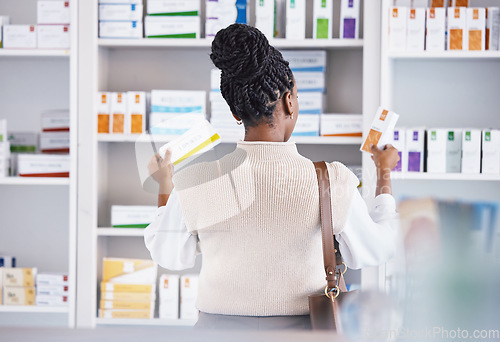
90	90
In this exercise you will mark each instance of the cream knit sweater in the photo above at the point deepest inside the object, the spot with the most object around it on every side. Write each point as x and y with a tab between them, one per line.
256	214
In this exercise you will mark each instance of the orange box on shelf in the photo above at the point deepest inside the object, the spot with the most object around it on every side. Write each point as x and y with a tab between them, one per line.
476	28
103	112
118	112
457	29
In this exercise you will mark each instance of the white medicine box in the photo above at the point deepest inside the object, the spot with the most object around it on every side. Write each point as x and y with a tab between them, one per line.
398	24
189	293
414	153
436	29
436	150
471	151
295	19
19	36
457	29
322	19
120	12
415	39
491	152
53	12
476	29
169	296
53	37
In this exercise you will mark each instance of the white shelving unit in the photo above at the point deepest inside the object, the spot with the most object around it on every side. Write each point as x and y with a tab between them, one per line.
34	309
34	181
449	89
206	43
444	177
166	138
39	213
34	53
137	232
156	321
444	55
107	167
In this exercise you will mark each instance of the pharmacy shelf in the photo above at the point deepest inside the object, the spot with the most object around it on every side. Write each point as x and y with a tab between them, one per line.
120	231
34	181
206	43
166	138
445	55
155	321
444	176
34	53
34	309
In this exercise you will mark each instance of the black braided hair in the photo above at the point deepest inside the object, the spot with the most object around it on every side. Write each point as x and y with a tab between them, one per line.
254	74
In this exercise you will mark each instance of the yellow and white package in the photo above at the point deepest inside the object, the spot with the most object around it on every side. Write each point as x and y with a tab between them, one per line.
322	19
19	277
436	29
19	36
192	144
53	300
457	29
13	295
381	130
169	296
119	305
128	296
130	314
476	28
132	216
128	271
118	112
189	293
471	151
415	39
120	29
174	8
490	163
127	288
398	23
53	12
120	12
53	37
264	17
103	112
135	122
295	19
172	27
341	125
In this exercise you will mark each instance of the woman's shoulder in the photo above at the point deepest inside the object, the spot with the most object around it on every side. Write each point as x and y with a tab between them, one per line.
342	174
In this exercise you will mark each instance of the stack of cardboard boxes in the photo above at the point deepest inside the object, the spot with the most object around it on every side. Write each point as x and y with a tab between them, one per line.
173	19
128	288
121	113
440	28
51	32
120	18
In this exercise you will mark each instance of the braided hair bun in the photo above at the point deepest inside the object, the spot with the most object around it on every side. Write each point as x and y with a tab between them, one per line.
254	74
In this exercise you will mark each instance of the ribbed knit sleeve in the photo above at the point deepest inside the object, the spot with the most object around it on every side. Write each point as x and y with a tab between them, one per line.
343	184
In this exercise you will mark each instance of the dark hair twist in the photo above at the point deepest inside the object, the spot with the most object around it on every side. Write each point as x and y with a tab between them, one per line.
254	74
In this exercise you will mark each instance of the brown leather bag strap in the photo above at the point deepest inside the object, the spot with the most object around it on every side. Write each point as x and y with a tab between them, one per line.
331	252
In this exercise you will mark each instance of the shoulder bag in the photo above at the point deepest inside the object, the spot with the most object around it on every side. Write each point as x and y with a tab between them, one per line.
324	307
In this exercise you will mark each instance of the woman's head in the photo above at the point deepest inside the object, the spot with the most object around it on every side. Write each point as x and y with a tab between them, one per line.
255	77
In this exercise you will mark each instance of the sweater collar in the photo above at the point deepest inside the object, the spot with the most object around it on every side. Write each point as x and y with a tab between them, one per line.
268	149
